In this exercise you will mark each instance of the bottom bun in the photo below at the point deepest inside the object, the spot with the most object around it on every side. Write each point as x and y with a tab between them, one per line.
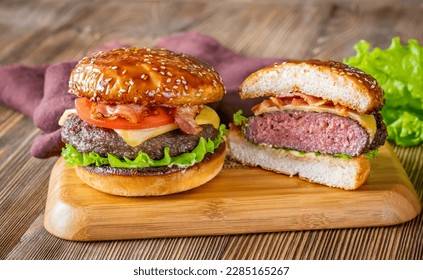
347	174
156	184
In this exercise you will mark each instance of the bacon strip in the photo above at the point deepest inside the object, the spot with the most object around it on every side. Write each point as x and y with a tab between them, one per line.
298	99
280	102
185	119
311	100
262	106
132	112
295	101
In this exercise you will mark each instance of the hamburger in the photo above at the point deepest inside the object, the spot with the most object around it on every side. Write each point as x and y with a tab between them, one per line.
317	119
141	126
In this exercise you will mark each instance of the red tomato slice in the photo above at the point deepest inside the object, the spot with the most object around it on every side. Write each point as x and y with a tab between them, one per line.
160	117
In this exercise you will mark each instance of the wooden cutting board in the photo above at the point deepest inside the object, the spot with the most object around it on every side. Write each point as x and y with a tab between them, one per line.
239	200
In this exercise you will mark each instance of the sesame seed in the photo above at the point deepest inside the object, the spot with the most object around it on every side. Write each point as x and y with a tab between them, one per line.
114	67
162	67
184	82
123	72
168	80
162	73
169	74
360	81
155	69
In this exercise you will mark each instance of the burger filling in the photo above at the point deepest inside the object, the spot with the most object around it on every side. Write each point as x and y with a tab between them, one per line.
86	138
310	132
308	124
98	135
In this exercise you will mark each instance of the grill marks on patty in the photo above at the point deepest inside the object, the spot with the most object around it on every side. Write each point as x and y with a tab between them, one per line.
86	138
313	132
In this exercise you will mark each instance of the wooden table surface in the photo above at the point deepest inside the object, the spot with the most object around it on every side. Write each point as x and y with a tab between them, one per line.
37	32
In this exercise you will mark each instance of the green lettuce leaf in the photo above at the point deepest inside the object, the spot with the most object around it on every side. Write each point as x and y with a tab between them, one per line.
239	119
371	154
73	157
399	71
340	155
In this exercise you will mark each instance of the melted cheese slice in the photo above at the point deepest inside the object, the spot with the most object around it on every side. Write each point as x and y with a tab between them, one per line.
65	115
135	137
366	121
208	116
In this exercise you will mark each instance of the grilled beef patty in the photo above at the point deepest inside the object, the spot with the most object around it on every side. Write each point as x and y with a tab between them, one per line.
144	171
86	138
313	132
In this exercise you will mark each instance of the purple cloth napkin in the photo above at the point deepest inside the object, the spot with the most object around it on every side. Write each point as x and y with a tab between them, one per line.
41	92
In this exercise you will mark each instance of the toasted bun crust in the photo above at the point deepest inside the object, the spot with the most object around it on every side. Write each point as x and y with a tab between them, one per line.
143	76
329	80
347	174
156	185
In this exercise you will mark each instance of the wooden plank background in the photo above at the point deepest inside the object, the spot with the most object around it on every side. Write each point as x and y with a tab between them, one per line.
48	31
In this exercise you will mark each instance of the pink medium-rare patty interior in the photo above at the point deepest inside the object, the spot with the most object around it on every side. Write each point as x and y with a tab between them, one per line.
308	132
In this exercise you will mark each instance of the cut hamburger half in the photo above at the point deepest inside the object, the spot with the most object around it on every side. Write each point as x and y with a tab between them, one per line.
141	126
319	120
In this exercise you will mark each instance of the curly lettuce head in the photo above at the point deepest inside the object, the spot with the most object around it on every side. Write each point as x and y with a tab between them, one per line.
399	71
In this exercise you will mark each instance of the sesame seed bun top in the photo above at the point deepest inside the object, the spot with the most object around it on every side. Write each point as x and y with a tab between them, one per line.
331	80
146	76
